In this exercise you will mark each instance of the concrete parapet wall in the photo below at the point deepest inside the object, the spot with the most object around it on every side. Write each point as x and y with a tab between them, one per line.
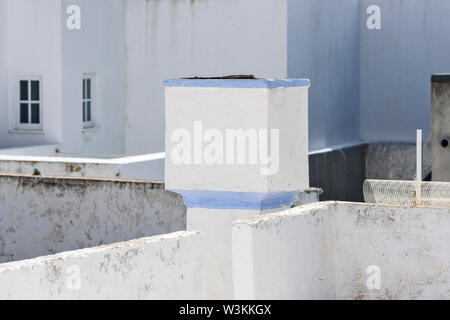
41	216
286	255
143	167
159	267
344	251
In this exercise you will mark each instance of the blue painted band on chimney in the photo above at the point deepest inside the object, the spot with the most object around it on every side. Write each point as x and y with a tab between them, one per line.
236	200
238	83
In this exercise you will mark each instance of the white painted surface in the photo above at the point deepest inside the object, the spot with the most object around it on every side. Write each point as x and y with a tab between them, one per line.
324	250
399	60
143	167
46	150
173	39
160	267
222	109
32	47
286	255
216	247
323	45
3	75
282	109
216	226
41	216
410	245
130	47
136	44
34	41
419	155
97	48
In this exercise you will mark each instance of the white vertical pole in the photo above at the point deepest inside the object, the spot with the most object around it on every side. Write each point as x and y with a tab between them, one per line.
418	167
419	155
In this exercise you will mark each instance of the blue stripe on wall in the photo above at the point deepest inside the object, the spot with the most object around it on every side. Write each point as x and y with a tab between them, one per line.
236	200
237	83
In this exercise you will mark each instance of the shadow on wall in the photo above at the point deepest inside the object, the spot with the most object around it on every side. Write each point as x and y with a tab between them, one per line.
340	173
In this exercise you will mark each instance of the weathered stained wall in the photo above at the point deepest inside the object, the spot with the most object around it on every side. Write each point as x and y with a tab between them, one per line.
160	267
38	166
440	130
324	250
144	167
395	161
410	245
41	216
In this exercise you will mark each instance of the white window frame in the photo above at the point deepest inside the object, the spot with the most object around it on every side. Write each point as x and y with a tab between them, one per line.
84	99
15	102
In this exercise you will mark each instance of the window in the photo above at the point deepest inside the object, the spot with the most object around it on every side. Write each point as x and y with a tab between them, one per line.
28	103
88	101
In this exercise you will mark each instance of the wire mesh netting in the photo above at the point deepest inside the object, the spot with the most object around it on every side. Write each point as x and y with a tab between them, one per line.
409	193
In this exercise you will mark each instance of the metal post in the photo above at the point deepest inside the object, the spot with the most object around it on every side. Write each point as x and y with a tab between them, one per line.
418	166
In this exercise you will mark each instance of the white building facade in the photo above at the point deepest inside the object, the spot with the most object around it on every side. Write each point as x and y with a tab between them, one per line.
62	75
120	51
87	75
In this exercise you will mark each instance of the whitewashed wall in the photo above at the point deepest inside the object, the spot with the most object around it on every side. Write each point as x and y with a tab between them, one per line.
98	48
176	38
41	216
47	150
160	267
134	45
3	77
34	40
398	60
287	255
410	245
324	250
323	46
32	46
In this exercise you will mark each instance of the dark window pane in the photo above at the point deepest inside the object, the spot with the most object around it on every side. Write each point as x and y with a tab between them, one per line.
88	88
84	88
35	113
88	111
35	90
23	113
84	111
23	90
